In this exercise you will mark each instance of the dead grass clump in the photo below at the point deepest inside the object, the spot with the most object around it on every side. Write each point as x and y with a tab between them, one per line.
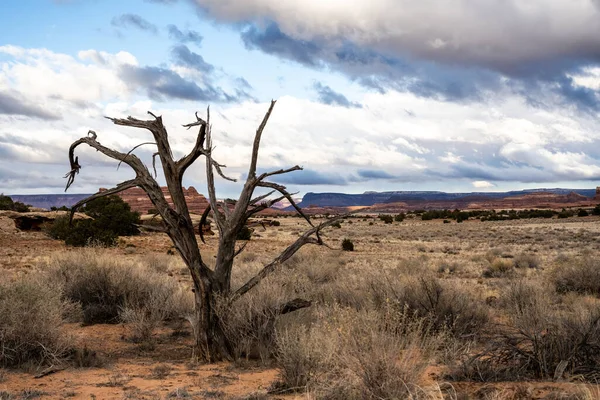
250	322
579	275
110	290
446	305
31	332
542	339
525	260
499	268
349	354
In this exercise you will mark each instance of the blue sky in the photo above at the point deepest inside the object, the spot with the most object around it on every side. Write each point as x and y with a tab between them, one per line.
372	94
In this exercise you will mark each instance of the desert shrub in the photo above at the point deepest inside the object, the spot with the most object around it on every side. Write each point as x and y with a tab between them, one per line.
349	354
275	223
347	245
399	217
244	234
110	290
250	323
89	233
525	260
7	203
31	311
112	217
446	306
541	340
388	219
582	213
579	275
336	225
113	214
499	269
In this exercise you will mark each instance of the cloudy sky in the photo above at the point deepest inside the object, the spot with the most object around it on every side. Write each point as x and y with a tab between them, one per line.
455	95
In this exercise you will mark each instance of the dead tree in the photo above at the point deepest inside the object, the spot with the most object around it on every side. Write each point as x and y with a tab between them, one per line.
208	284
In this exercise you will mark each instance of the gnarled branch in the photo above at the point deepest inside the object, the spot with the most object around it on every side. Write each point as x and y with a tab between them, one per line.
119	188
306	238
256	145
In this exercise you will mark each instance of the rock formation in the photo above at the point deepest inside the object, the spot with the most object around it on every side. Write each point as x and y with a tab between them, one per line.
139	201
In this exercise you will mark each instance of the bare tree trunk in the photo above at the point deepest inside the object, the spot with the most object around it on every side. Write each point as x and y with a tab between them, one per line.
210	285
211	343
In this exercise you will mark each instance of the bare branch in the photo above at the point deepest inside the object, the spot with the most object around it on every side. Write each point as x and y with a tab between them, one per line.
119	188
199	121
259	198
151	228
225	208
210	182
282	189
90	140
242	247
198	149
263	206
306	238
219	171
154	163
279	172
130	151
257	137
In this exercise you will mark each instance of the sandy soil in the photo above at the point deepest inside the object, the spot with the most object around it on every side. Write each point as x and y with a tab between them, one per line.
127	370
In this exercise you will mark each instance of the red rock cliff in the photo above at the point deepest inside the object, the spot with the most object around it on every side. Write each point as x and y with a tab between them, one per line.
139	201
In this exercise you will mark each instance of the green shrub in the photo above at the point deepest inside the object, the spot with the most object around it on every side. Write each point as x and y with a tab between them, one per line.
112	217
244	234
112	213
388	219
7	203
347	245
336	225
275	223
399	217
582	213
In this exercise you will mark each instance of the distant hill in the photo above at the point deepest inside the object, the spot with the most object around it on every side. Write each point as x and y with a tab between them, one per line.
432	198
49	200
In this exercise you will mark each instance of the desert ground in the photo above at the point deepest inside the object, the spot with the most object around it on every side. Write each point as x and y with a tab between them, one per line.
419	310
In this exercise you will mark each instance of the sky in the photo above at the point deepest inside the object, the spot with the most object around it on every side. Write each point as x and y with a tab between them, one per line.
372	95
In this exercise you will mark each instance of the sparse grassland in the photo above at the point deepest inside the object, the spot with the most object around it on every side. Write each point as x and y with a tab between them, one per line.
419	310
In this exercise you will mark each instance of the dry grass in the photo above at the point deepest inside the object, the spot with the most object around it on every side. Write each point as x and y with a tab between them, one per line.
111	290
31	311
476	302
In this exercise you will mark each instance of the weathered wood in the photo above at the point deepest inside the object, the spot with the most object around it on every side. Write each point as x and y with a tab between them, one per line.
211	344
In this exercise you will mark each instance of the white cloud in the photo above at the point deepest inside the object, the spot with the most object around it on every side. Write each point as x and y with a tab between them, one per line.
502	139
482	184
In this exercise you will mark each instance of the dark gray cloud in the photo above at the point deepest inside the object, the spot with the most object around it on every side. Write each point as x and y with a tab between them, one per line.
466	53
272	40
162	84
187	36
134	21
310	177
329	96
374	174
14	105
183	56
